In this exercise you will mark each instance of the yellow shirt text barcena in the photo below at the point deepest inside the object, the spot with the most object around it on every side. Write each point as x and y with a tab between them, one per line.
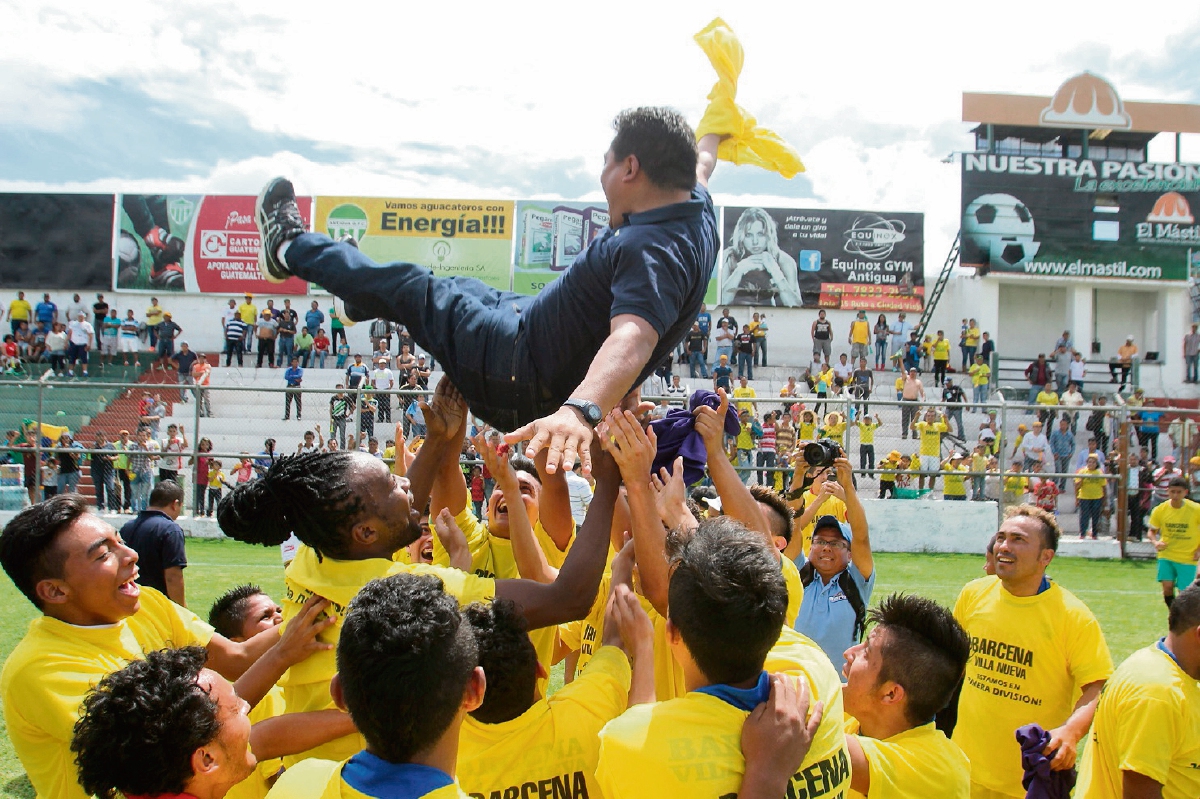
553	743
691	746
1030	657
306	685
915	764
54	666
322	779
1179	528
1148	721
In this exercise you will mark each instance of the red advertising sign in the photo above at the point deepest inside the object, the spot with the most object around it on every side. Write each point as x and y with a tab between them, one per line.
225	248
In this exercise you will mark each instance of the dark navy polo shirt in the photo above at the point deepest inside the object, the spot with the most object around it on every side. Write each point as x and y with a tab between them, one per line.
158	540
655	266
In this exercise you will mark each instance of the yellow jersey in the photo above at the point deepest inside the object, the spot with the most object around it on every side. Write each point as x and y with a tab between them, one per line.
866	431
1148	721
972	337
247	313
1030	657
327	779
981	374
941	349
20	311
1179	528
691	746
740	393
914	764
1089	485
1016	483
832	506
306	684
53	667
955	483
806	431
1047	398
836	433
931	436
554	741
860	331
259	782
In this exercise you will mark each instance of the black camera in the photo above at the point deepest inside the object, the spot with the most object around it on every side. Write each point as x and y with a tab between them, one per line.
822	453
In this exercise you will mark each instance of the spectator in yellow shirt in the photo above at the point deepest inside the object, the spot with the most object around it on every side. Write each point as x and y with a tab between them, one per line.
981	378
941	357
1089	495
1047	398
19	310
743	393
930	431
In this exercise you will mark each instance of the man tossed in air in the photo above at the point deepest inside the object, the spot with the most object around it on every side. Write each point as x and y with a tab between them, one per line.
548	367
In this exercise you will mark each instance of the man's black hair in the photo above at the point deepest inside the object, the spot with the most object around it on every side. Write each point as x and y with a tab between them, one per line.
727	597
923	649
166	492
228	614
404	659
780	519
138	728
308	494
663	142
520	463
1185	610
508	658
1178	482
27	549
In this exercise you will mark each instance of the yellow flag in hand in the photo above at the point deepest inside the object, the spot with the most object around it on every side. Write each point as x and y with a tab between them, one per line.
746	142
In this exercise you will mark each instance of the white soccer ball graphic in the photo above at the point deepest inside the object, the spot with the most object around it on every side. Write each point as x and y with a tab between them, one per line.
1001	226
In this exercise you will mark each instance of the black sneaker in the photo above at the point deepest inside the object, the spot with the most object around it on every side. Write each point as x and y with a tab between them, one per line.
278	220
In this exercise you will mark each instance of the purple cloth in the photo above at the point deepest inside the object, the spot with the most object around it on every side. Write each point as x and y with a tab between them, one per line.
1039	781
677	436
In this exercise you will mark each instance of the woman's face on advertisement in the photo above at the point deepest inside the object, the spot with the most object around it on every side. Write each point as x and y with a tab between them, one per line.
756	237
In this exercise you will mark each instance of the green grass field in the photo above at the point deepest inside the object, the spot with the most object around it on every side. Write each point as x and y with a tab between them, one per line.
1123	595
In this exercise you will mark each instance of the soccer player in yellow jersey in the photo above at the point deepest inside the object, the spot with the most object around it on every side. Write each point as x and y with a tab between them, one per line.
930	429
408	673
1037	656
896	680
727	601
356	514
517	738
1175	533
1145	741
95	619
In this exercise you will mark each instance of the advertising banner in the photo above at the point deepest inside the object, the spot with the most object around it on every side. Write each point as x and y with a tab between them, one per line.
1079	218
549	236
56	241
194	243
463	238
810	258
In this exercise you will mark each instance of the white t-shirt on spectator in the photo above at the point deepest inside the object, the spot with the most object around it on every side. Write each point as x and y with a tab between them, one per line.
80	332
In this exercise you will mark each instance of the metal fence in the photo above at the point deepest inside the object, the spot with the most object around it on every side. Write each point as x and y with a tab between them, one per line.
232	424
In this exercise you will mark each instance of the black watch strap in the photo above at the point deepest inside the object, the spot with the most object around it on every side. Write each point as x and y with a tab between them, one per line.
590	411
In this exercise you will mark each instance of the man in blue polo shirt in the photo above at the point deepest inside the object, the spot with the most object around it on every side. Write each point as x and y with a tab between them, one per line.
313	319
158	540
838	576
46	312
547	367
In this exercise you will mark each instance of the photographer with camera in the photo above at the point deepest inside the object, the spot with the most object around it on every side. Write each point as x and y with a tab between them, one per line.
815	491
839	572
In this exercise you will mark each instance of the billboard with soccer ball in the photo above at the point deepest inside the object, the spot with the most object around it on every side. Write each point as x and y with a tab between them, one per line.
1079	218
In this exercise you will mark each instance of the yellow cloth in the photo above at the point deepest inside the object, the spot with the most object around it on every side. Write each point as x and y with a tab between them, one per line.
972	338
216	478
248	313
259	782
1148	722
941	349
19	310
306	685
1179	528
322	779
745	437
690	746
931	436
744	393
807	431
54	666
1030	658
866	431
1090	487
860	331
1047	398
954	485
554	741
1016	483
154	315
832	506
747	142
914	764
981	374
835	433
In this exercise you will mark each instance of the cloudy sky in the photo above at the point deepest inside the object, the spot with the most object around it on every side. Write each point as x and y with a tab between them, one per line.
513	100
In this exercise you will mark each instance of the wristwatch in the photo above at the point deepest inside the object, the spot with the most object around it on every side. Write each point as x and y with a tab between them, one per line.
590	411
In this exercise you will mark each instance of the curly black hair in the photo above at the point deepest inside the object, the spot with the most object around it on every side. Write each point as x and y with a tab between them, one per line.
404	659
508	658
663	142
27	549
727	597
923	649
228	614
310	495
139	726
